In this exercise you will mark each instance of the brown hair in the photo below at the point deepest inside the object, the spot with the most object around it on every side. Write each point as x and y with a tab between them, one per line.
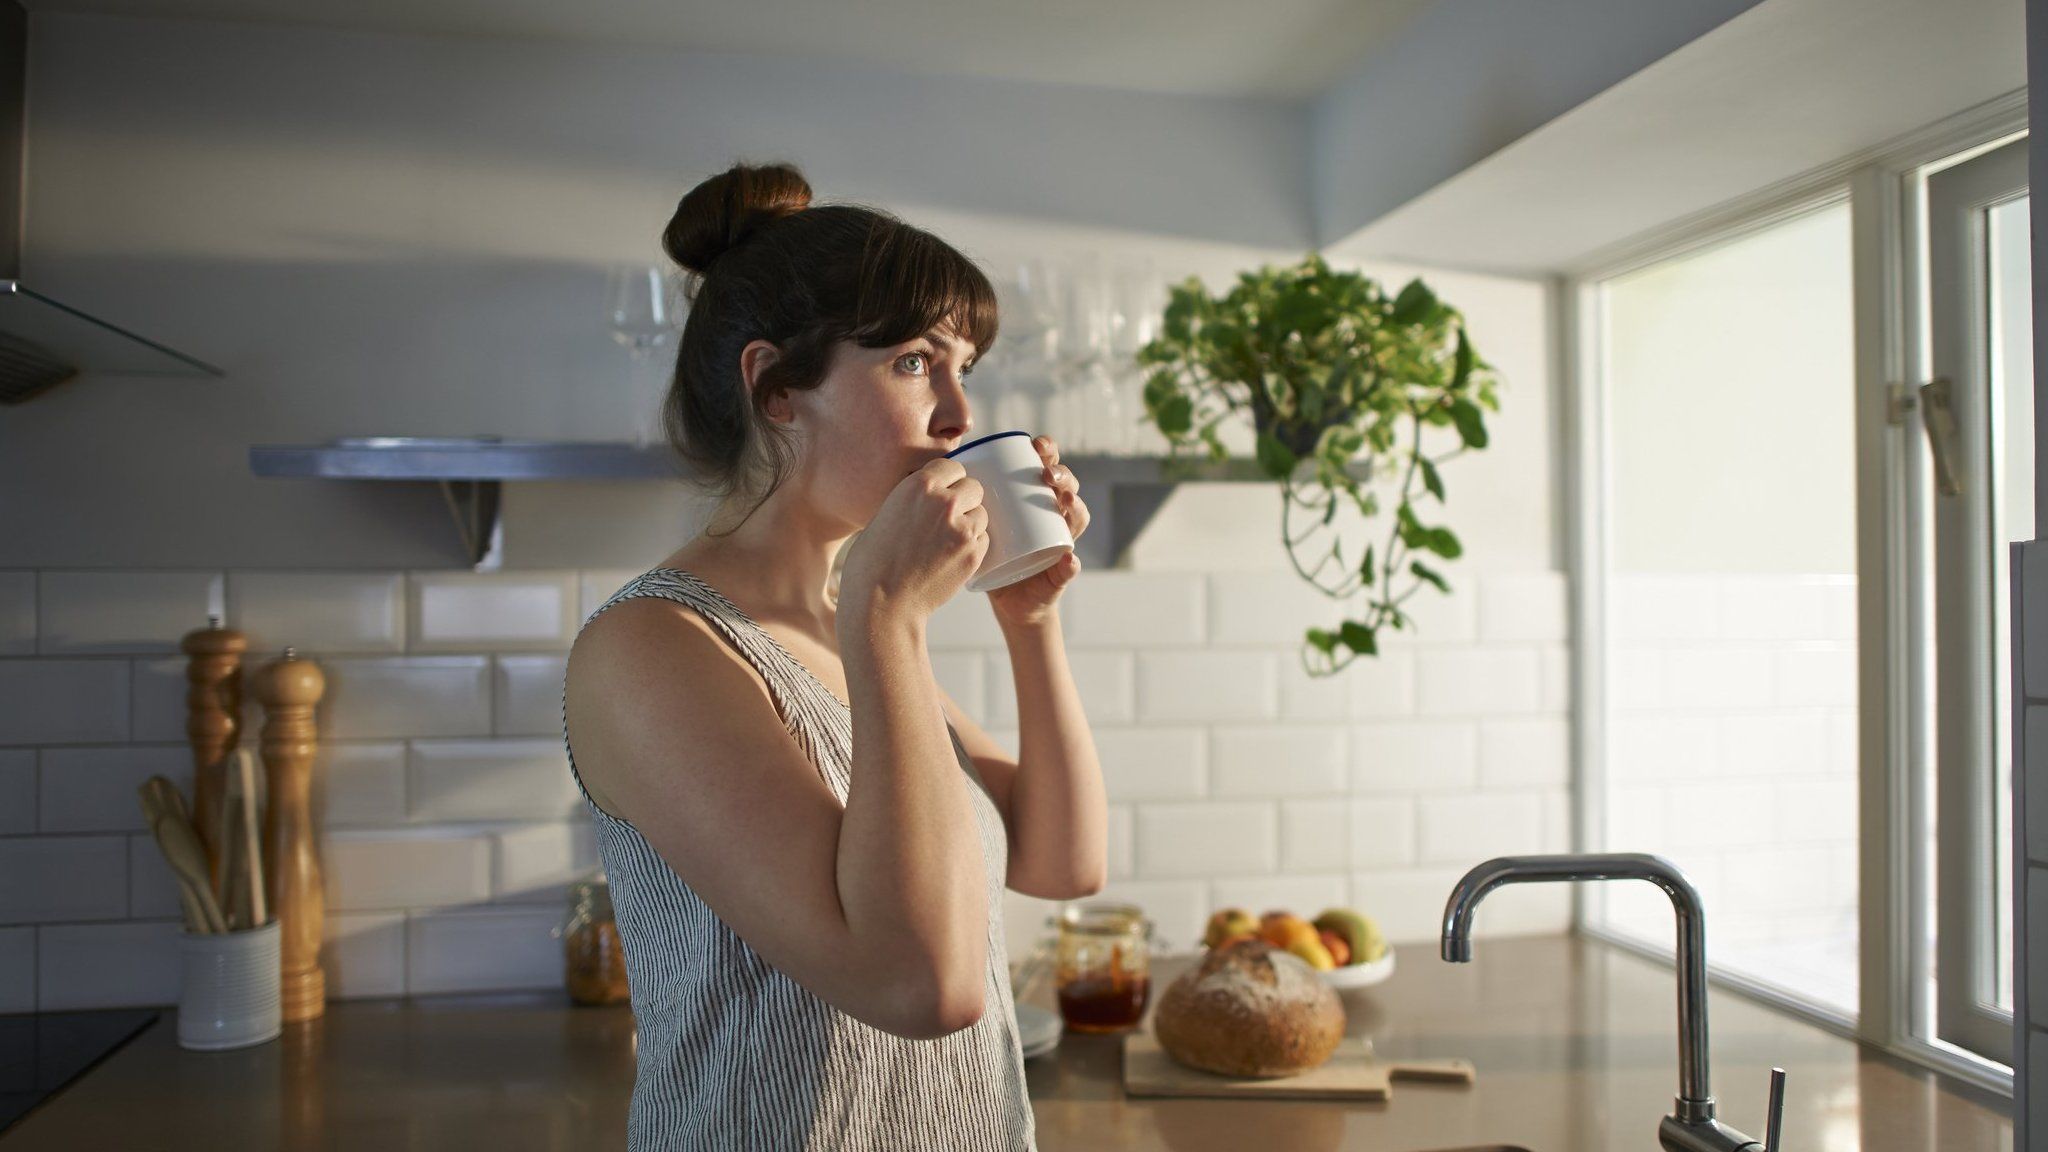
766	264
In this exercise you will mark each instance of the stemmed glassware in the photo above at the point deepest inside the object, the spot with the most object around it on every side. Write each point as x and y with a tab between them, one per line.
644	309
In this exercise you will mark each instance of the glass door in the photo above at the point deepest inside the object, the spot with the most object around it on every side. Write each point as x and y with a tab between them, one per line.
1976	409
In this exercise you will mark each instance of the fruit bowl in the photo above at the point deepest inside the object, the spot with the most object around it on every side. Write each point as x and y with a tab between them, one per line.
1359	975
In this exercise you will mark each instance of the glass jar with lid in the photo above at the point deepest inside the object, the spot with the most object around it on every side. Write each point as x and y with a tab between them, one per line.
594	960
1103	961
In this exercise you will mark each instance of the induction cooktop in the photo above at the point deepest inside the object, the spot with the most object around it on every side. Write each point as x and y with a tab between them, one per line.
42	1052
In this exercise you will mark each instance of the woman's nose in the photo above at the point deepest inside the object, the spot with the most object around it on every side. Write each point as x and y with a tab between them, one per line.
953	419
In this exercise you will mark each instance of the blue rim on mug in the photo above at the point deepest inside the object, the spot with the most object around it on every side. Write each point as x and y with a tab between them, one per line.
983	440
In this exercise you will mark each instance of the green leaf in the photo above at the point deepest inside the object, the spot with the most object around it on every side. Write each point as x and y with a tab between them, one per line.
1365	566
1415	303
1324	641
1463	372
1430	479
1425	572
1442	542
1359	638
1471	424
1176	415
1275	459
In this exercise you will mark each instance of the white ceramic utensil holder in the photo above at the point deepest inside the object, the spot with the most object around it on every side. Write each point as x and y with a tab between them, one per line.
230	992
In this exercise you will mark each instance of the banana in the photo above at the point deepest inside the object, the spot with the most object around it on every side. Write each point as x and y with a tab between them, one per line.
1358	930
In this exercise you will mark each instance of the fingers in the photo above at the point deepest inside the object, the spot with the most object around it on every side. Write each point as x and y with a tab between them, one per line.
975	521
1076	511
943	472
1048	449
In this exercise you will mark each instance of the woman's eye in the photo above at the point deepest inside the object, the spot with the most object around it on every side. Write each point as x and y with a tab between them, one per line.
918	355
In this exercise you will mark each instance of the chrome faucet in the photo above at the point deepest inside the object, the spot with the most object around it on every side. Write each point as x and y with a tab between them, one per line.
1691	1127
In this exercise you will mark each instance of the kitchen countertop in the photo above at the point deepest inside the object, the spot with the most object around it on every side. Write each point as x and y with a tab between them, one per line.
1574	1042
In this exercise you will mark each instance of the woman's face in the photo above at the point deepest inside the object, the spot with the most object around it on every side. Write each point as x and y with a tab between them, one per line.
879	415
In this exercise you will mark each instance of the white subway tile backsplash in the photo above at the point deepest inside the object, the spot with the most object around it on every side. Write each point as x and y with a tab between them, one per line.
465	950
526	694
1315	835
1636	819
1717	679
1530	607
1207	839
1721	812
594	586
1381	832
364	955
1774	744
51	878
960	675
1414	756
1465	829
324	612
1178	909
514	779
157	708
102	612
1121	836
1635	679
1208	686
473	611
1306	697
359	783
967	622
1408	903
537	863
1277	760
1647	748
17	613
152	889
1381	686
107	965
17	970
1815	809
1024	925
1437	619
1269	609
1303	895
1555	663
1152	763
1652	608
1784	607
1135	609
1105	679
1525	753
372	698
376	871
17	791
1816	674
63	701
1478	682
95	789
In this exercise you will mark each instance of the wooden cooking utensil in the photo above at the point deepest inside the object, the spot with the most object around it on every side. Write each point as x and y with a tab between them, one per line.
251	852
229	874
181	848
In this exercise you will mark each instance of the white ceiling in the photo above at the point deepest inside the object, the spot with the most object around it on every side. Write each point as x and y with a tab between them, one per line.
1786	88
1275	49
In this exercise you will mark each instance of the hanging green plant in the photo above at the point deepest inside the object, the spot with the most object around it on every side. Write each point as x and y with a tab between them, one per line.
1338	382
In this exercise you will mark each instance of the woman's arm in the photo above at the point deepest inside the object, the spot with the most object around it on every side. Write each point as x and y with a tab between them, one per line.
909	859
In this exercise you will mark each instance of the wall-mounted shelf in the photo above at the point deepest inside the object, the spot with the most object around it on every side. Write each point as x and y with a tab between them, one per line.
1123	492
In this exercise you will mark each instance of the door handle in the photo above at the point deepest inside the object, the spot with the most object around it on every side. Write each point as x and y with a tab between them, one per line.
1938	416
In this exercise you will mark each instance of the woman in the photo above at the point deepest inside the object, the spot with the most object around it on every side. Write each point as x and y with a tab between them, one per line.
807	840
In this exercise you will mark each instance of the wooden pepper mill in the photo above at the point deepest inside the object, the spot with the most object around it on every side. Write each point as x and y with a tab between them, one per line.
213	724
290	687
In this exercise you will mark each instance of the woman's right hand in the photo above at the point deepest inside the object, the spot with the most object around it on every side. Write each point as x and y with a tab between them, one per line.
925	541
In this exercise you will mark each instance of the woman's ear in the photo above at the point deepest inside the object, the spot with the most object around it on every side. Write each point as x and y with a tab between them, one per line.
755	359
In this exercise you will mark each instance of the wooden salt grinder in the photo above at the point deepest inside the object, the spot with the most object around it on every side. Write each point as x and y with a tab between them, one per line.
213	724
290	687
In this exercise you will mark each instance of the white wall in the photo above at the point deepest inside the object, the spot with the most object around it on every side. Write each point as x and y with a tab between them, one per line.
383	234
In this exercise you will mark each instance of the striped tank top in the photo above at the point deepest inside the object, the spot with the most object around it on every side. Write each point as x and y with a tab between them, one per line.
734	1054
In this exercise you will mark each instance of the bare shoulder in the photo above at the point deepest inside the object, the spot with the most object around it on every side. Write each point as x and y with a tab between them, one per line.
644	668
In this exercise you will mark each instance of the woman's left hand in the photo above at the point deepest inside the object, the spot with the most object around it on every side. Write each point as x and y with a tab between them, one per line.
1030	601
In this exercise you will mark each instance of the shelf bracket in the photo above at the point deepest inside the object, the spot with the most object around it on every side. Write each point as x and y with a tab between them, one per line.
475	506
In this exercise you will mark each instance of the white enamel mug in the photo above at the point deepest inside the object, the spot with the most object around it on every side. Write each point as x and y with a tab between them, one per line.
1026	533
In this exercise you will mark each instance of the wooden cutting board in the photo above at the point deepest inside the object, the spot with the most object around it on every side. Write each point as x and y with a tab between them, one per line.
1351	1073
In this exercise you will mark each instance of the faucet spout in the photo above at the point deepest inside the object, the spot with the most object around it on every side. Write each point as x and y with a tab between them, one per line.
1695	1100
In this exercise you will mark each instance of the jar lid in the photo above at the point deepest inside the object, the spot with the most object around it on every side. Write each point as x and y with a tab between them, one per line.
1102	918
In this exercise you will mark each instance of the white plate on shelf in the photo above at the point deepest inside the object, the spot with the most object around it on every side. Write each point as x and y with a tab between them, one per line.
1038	1030
1360	975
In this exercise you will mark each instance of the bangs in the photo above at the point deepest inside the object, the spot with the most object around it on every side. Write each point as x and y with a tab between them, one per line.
912	282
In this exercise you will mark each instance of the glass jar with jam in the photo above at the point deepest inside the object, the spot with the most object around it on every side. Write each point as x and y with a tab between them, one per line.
594	960
1103	960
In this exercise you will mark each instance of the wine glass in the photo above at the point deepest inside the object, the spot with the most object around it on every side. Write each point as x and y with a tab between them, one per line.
644	307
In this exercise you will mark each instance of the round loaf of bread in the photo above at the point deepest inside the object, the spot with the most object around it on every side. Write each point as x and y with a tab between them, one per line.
1250	1010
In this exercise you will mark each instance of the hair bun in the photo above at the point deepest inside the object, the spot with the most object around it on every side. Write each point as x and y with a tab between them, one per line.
723	211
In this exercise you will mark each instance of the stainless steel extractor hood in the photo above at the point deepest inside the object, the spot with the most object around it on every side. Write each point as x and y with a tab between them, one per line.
44	341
